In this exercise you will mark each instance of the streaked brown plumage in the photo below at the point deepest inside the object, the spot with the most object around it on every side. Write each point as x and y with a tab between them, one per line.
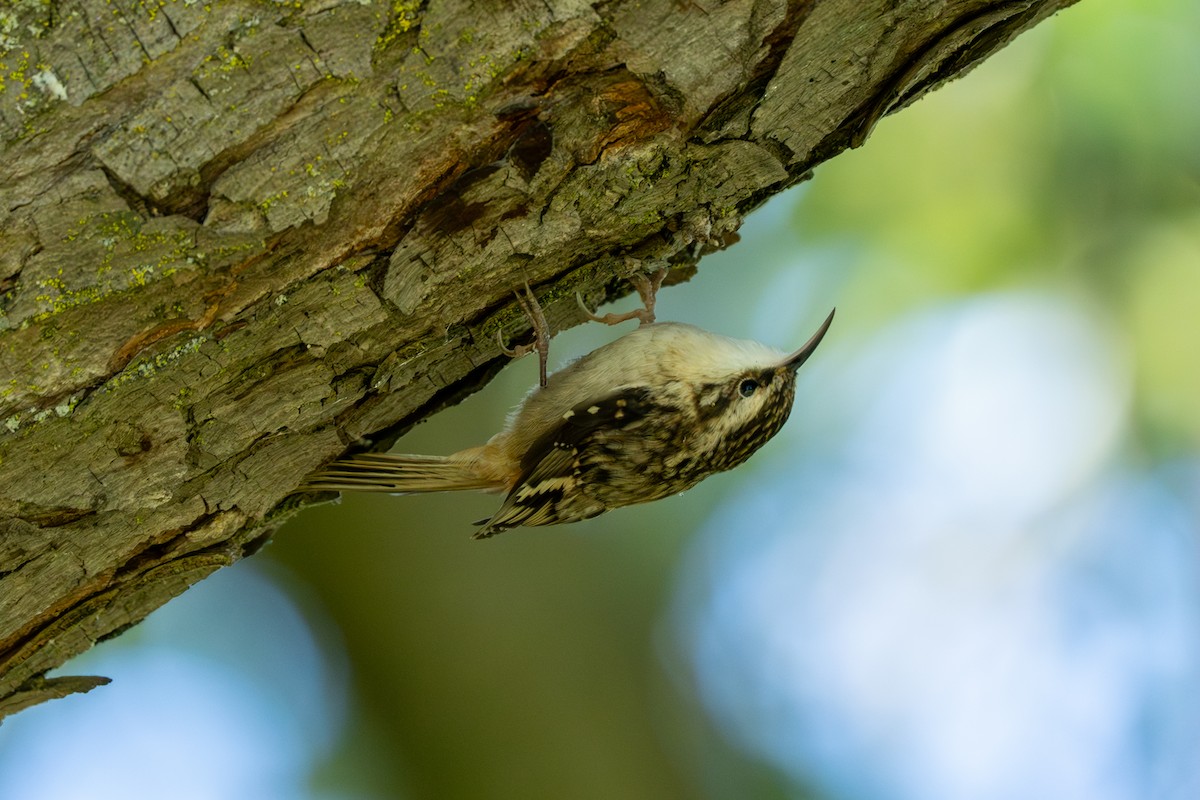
648	415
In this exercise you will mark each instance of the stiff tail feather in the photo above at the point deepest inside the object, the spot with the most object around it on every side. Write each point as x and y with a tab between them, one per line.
399	474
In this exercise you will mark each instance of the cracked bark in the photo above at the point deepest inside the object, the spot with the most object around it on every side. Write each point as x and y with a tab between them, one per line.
240	238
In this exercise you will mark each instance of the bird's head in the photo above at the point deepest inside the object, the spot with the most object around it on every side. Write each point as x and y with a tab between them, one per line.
746	402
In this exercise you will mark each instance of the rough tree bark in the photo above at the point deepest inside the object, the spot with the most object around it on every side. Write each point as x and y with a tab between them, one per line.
239	237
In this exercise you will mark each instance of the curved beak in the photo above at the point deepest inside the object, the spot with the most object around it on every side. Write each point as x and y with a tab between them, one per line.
797	358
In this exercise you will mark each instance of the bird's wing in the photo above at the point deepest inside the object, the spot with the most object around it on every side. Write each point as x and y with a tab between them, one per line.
550	468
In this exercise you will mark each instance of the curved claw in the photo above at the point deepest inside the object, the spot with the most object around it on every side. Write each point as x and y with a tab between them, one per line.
647	288
587	312
512	352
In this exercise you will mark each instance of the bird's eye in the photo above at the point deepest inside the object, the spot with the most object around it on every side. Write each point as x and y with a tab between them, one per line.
748	387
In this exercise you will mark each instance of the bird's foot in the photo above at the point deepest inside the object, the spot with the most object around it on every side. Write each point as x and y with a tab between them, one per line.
647	287
541	333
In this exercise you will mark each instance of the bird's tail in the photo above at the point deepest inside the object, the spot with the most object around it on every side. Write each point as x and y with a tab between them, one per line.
399	474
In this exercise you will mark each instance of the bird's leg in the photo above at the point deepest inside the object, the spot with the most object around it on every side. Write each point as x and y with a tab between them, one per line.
647	287
541	333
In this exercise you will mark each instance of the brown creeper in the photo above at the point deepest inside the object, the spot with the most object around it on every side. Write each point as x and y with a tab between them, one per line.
641	418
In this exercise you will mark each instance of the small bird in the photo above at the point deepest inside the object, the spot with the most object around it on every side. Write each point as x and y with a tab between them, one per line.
646	416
